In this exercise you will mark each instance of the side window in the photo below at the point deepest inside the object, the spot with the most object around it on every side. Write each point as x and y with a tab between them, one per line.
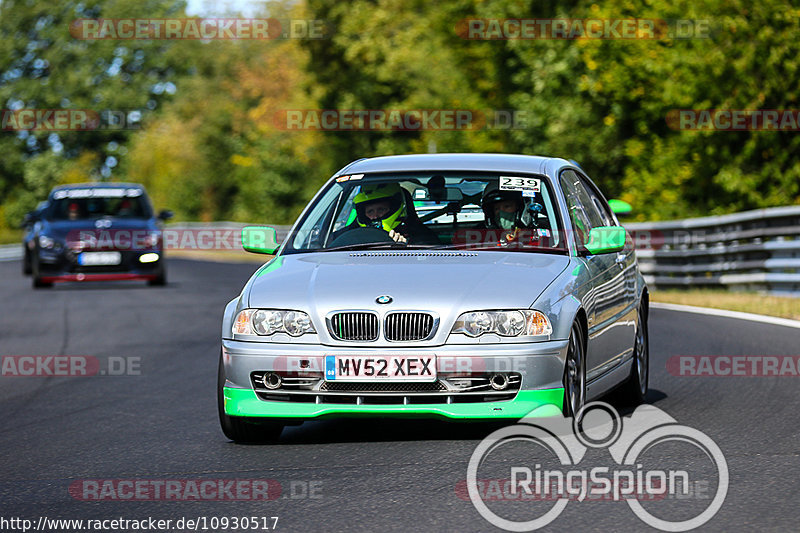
347	213
308	235
582	211
599	204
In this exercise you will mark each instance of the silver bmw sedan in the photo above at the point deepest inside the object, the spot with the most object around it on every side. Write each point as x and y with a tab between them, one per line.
458	286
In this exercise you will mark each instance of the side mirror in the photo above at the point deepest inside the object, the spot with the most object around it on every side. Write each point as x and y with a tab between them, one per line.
620	208
260	240
606	239
165	214
29	219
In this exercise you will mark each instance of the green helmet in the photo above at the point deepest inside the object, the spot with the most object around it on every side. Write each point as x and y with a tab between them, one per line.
369	195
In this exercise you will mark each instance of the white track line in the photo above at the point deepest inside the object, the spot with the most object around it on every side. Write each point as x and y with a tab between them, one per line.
728	314
11	252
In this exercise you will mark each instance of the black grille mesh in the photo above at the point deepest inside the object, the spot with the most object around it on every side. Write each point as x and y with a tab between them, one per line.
382	387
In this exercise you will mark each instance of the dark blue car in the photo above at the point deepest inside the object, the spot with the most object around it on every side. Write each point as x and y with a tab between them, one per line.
94	232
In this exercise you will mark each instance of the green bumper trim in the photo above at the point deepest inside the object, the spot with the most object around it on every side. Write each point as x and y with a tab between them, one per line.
244	402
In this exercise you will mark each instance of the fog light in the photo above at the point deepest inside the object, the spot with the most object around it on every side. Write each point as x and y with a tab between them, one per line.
271	381
148	258
499	381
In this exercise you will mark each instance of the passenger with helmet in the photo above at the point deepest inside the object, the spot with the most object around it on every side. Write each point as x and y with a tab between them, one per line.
508	211
385	206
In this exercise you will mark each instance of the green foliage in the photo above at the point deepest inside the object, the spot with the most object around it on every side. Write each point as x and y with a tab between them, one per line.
602	102
212	149
43	67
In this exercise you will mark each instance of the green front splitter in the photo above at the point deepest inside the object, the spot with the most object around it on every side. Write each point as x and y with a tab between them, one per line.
244	402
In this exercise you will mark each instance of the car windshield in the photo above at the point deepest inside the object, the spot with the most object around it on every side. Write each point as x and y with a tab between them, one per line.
79	204
500	211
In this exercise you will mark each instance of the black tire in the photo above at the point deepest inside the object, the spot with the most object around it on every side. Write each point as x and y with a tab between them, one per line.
241	429
634	390
26	264
160	280
575	372
37	282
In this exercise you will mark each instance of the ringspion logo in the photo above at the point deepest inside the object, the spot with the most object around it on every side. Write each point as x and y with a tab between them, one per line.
548	464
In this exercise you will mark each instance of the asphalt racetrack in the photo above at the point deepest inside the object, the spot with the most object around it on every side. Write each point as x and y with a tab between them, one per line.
152	416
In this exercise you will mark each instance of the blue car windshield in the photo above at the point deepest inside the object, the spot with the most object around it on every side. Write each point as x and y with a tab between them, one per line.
432	210
80	204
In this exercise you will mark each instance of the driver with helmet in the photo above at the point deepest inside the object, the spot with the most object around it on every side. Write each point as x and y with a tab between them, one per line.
384	206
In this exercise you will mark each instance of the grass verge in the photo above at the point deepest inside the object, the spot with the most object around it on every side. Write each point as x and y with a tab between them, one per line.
220	256
748	302
10	236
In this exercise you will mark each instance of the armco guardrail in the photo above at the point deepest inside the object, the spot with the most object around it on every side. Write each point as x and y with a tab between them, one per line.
10	252
752	250
281	231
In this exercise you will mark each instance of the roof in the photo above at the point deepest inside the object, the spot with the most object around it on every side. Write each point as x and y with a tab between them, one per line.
98	185
443	162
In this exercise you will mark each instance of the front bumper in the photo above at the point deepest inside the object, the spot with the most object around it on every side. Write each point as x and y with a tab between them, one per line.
62	265
244	402
540	366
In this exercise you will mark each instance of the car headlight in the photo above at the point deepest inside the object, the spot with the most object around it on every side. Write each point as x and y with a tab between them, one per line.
511	323
268	321
46	242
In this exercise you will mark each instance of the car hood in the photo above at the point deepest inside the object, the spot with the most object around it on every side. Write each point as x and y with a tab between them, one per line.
447	283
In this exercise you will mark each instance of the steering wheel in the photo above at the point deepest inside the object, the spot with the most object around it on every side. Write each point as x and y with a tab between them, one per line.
360	235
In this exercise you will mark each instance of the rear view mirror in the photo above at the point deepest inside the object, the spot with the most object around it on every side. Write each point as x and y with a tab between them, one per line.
259	239
606	239
444	195
165	214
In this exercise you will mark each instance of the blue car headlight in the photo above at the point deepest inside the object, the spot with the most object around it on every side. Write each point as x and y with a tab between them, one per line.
46	242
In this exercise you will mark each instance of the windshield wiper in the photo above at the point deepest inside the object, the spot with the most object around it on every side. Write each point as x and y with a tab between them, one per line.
364	246
492	247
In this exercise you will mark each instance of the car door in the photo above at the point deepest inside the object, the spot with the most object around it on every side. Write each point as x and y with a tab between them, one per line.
626	258
605	300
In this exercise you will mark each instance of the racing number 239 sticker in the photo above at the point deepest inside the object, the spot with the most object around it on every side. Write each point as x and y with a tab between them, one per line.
519	183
